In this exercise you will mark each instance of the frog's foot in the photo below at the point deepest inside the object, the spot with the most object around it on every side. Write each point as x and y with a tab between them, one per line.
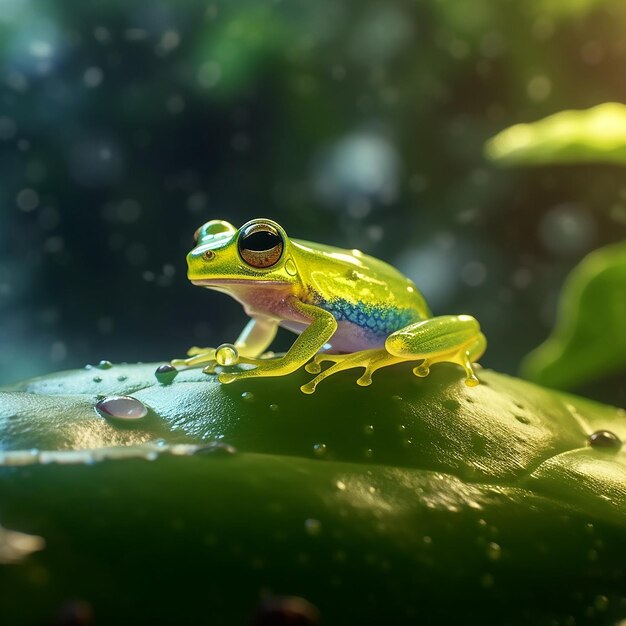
197	357
462	358
266	365
452	339
371	360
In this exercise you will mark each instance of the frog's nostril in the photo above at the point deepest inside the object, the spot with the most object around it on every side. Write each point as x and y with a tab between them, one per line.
208	255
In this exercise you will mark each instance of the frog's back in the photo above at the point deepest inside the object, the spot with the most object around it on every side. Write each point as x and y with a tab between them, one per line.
369	298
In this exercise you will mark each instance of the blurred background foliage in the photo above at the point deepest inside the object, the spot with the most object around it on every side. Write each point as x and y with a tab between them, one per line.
125	125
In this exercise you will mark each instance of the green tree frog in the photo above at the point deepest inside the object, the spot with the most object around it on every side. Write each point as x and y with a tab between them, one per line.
346	307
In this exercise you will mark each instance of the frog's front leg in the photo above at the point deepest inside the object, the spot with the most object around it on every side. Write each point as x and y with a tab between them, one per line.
452	338
253	340
449	338
308	343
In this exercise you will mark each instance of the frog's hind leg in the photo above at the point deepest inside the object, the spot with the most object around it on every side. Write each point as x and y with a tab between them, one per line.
371	360
450	338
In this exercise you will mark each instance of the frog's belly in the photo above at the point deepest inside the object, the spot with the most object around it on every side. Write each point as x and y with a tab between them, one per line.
348	337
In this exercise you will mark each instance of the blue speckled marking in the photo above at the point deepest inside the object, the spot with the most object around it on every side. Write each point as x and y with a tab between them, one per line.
379	320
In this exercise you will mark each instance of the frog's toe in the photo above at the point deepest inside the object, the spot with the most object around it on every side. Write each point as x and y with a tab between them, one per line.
313	367
309	388
227	377
366	379
472	381
422	370
195	350
210	368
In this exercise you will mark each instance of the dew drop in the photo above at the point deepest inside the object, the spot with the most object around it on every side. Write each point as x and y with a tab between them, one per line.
494	551
104	365
216	448
248	396
341	485
313	526
97	379
369	429
122	378
165	373
604	439
122	408
226	354
522	419
319	449
601	603
274	407
369	453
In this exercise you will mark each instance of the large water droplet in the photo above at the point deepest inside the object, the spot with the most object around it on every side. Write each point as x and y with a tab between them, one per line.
248	396
122	408
104	365
604	439
227	354
165	374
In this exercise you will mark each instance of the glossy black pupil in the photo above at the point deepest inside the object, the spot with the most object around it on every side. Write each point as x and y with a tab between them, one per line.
260	241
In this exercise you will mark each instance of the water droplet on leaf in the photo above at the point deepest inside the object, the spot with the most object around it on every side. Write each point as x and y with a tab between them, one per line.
604	439
319	449
122	408
104	365
226	354
165	374
494	551
248	396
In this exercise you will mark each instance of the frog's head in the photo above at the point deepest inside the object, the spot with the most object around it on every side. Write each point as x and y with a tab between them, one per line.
225	256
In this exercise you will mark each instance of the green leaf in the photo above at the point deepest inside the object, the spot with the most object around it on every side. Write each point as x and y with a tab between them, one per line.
596	135
404	502
588	341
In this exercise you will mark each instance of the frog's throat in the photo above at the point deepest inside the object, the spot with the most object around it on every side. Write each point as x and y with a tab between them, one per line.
225	282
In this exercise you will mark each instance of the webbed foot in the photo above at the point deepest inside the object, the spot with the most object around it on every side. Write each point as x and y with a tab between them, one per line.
371	360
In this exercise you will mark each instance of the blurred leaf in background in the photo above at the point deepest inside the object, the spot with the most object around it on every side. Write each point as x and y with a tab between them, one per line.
588	341
596	135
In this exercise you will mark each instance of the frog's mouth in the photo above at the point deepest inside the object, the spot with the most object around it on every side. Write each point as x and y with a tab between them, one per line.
224	282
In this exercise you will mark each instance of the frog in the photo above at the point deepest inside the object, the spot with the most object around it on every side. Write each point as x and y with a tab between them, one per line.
347	308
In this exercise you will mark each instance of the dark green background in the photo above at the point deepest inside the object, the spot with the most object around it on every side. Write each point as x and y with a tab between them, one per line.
353	123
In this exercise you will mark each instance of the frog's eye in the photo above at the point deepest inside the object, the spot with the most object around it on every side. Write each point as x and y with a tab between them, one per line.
260	245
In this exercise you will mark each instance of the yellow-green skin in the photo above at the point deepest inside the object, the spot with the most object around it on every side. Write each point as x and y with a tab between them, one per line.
346	307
